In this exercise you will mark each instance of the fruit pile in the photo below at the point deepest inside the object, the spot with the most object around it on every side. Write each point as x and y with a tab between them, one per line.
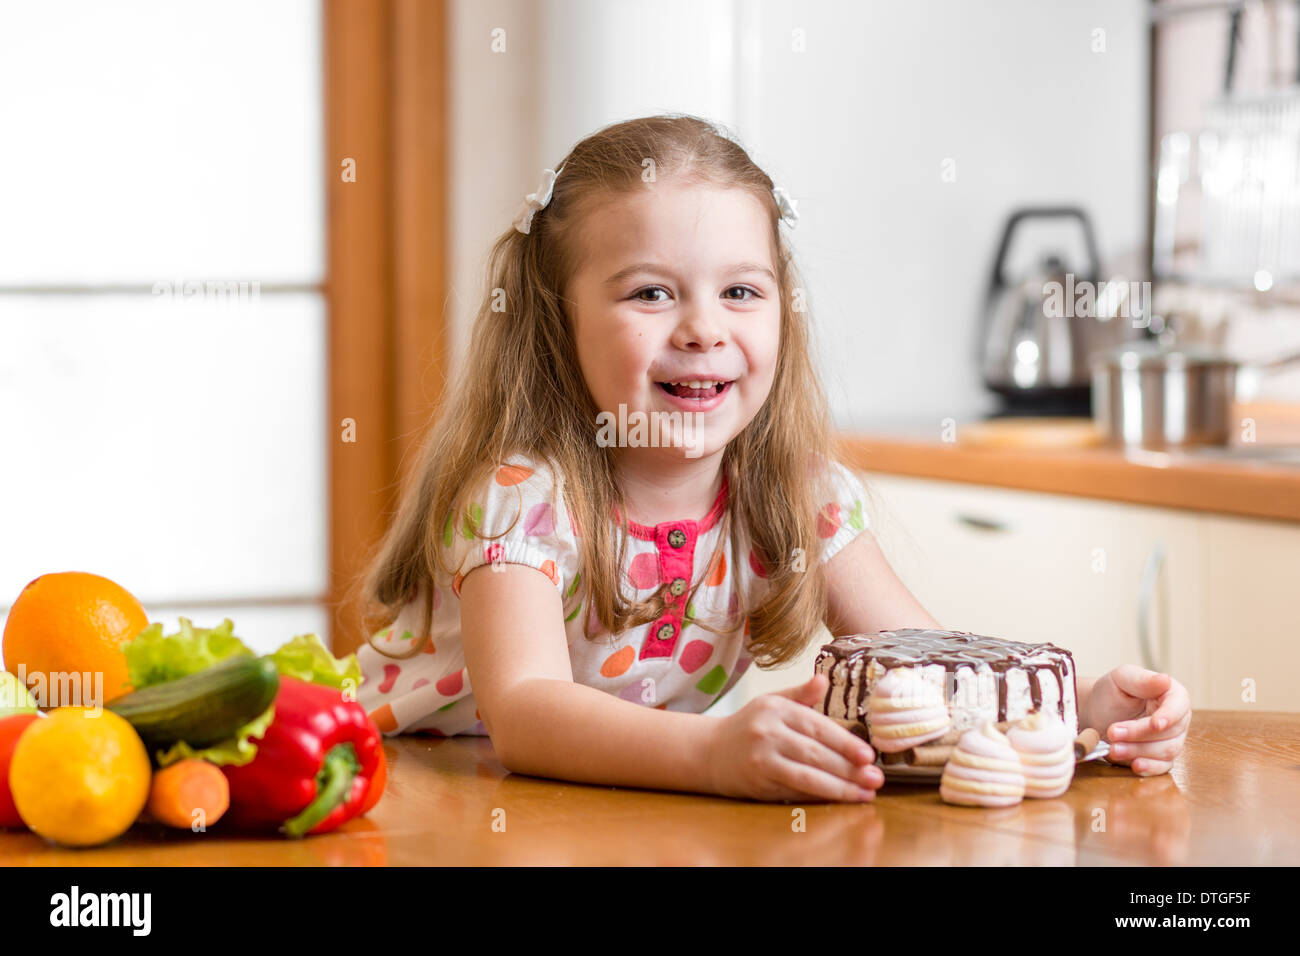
106	721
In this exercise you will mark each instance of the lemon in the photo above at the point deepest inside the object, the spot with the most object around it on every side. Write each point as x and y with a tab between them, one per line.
80	777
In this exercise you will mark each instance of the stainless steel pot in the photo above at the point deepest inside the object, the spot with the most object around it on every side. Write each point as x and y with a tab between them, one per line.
1148	396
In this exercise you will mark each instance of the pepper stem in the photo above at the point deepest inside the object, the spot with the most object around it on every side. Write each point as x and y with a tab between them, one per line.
333	784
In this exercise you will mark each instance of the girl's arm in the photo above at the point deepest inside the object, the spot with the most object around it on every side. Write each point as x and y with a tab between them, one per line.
864	595
543	723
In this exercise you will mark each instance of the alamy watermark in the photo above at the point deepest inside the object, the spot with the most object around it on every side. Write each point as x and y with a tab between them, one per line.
209	290
640	429
1104	300
56	689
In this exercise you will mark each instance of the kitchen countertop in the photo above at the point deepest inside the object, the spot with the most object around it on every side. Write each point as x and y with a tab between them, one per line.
1229	800
1251	487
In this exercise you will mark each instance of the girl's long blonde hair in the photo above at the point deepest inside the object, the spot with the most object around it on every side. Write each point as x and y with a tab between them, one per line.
521	391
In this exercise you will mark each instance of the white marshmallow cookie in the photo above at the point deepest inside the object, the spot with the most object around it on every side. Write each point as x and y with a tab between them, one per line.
1046	752
904	711
984	770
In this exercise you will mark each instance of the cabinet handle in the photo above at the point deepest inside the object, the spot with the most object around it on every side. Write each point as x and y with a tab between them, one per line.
983	524
1150	579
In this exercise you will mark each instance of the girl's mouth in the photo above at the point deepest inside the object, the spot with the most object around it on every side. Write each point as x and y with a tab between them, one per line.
694	390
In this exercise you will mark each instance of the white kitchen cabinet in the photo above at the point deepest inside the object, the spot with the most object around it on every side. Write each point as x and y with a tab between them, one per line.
1214	598
1085	574
1252	613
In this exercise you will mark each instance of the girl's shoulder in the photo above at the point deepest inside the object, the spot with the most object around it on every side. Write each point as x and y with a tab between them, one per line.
515	516
520	487
519	480
845	481
527	475
843	514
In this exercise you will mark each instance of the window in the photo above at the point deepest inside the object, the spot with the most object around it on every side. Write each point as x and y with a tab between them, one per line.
163	366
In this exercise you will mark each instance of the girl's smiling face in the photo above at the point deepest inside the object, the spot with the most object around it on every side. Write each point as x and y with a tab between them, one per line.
678	284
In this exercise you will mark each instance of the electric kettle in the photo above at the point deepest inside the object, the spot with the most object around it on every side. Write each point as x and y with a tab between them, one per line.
1039	329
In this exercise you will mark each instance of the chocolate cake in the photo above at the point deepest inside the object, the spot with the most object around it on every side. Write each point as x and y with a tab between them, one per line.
939	685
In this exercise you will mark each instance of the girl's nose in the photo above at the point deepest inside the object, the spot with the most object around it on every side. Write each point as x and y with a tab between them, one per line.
700	327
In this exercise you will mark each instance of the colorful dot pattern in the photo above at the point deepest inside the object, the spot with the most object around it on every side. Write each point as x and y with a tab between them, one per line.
667	664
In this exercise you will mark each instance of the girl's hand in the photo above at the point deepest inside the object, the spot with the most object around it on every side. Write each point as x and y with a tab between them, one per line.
778	748
1144	715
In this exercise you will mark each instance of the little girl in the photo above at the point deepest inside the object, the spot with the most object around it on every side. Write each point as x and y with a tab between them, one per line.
603	586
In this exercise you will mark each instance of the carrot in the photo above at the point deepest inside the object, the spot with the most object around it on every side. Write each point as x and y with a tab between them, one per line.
185	787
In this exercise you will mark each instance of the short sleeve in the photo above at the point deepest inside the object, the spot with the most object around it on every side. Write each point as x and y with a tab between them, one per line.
844	517
518	518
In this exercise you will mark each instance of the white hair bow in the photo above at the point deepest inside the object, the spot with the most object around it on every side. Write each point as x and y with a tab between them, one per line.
536	201
789	215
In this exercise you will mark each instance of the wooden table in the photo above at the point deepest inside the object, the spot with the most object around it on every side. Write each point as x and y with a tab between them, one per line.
1230	800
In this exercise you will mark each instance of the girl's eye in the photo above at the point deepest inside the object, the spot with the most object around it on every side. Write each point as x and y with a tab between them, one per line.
753	293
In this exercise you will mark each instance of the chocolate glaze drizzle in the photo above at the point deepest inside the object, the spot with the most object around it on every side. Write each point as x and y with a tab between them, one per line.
911	647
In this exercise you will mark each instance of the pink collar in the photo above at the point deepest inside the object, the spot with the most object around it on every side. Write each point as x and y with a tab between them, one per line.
647	533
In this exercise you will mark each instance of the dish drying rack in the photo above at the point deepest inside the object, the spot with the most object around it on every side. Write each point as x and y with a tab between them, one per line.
1239	175
1243	170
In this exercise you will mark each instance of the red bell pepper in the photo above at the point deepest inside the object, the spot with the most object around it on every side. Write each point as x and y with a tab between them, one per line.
314	765
378	781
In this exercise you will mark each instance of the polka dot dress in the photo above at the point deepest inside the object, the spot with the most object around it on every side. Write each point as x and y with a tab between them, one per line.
667	664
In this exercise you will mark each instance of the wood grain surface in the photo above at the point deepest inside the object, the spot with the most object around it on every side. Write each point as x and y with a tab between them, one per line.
1230	800
1249	486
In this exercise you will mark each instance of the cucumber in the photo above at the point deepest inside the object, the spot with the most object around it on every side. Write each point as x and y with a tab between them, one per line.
203	708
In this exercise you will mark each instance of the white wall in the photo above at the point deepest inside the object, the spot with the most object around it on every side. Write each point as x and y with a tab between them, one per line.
856	127
493	104
569	67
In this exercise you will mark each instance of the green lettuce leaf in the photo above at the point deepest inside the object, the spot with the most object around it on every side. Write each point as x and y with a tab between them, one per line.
236	750
306	658
152	658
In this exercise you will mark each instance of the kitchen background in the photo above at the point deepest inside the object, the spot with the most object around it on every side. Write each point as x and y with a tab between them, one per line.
189	445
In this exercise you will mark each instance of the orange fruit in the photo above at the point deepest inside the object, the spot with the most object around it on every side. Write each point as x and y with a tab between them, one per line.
73	622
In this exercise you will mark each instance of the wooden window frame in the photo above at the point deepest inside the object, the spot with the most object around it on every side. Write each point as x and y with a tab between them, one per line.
385	70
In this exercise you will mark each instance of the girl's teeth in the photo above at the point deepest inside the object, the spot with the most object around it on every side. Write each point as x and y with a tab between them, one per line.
697	386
